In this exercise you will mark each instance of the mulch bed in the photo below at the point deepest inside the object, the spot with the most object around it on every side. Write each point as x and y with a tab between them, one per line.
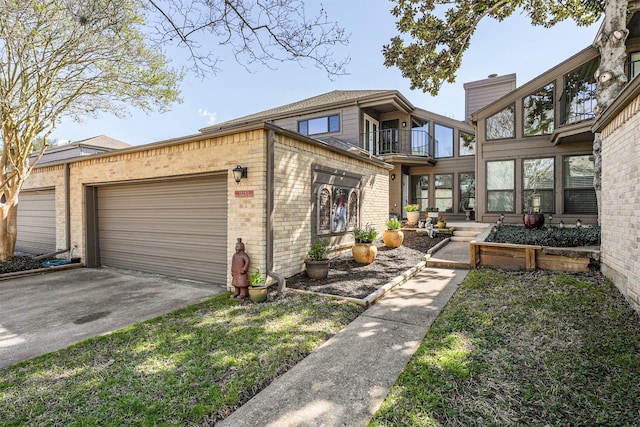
350	279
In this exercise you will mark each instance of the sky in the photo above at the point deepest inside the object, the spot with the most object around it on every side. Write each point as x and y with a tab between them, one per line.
511	46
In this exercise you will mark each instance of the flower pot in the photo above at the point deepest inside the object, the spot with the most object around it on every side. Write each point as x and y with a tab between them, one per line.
393	238
535	220
412	217
442	224
258	293
317	270
364	253
433	215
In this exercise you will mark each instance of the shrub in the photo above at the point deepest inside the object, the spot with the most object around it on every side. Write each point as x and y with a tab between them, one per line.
393	224
554	236
319	251
412	208
365	235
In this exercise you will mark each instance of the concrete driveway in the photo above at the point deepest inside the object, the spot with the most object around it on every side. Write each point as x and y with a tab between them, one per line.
47	312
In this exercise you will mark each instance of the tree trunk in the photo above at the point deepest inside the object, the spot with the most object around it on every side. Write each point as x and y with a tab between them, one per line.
611	76
8	231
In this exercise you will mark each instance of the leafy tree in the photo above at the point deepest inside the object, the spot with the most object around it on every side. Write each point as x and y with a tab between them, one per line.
440	36
79	58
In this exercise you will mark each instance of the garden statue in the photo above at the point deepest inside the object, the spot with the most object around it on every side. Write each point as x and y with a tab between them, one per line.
429	227
240	264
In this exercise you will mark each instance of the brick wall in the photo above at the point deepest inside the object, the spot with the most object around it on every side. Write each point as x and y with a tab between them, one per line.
294	197
621	202
247	216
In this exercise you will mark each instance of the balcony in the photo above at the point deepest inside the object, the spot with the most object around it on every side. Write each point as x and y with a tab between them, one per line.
402	142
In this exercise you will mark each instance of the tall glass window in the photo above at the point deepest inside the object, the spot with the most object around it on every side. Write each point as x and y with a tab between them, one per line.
467	184
444	192
579	194
422	191
502	124
538	185
501	186
579	96
444	140
538	111
466	144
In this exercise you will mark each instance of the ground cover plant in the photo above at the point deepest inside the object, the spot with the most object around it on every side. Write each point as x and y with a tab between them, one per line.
533	348
558	237
192	367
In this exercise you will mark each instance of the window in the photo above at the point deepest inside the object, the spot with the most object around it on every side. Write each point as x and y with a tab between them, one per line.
502	124
634	65
444	192
579	194
337	209
319	125
501	186
537	185
538	111
420	140
444	140
579	96
466	144
467	183
422	192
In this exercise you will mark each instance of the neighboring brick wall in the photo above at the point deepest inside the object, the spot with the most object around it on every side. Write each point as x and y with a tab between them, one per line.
620	250
294	198
48	177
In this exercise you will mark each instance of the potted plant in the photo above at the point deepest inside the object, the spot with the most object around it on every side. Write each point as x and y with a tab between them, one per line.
317	262
257	287
533	218
442	222
432	213
393	236
413	213
364	251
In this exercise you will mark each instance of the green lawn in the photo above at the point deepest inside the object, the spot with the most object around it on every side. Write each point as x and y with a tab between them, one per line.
524	349
193	366
509	349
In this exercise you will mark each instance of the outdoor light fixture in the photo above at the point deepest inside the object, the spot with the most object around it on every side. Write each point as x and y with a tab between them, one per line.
550	218
578	224
404	124
495	229
501	217
238	173
393	176
561	224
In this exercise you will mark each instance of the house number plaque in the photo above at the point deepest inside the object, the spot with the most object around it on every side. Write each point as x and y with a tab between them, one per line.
244	193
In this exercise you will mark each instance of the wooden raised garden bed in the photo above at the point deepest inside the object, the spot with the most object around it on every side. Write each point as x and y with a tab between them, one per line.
510	256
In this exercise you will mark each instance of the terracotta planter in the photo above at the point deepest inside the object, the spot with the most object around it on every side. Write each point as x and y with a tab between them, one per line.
364	253
412	217
535	220
393	238
317	270
258	293
442	224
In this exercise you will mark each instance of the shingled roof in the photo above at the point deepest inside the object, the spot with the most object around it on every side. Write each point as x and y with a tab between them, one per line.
326	100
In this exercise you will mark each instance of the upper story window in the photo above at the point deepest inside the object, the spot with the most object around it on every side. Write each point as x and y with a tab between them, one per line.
466	144
444	140
579	96
538	111
502	124
319	125
634	64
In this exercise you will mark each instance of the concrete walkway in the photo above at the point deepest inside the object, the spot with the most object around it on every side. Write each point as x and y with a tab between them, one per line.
344	382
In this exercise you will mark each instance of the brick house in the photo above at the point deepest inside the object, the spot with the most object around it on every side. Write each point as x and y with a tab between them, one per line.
174	207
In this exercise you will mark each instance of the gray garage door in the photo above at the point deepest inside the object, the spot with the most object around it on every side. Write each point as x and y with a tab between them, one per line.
36	222
175	228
